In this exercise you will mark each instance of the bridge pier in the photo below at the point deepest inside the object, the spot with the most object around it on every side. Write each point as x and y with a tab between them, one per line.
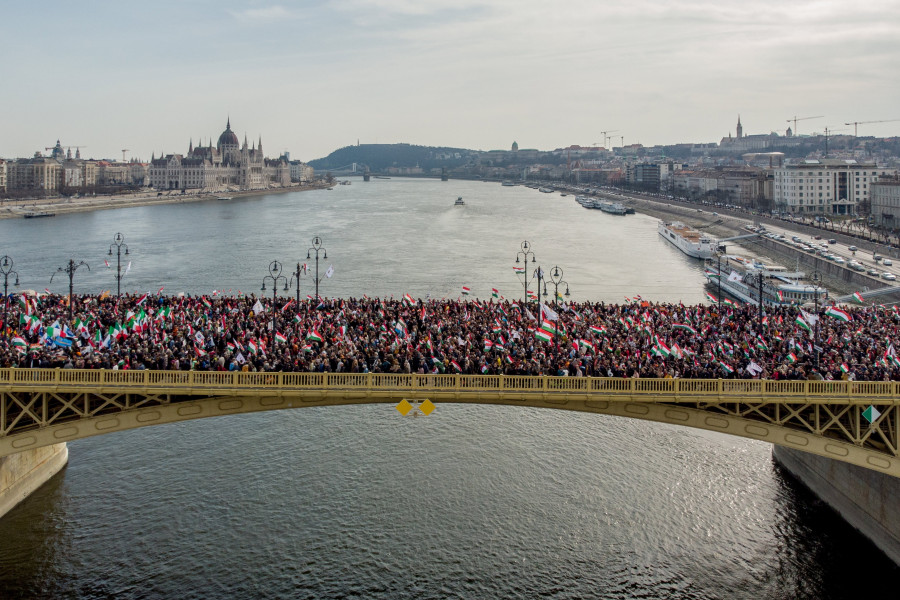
867	499
23	473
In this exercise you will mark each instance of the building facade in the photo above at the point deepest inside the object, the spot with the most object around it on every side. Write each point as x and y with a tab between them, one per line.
826	187
884	196
226	166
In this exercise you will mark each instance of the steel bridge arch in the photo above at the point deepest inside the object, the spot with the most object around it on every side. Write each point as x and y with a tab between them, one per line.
40	407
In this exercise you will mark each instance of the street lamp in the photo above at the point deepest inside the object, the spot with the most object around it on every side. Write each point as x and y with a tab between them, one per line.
6	268
70	271
523	253
295	276
316	247
118	242
556	279
816	279
274	275
719	280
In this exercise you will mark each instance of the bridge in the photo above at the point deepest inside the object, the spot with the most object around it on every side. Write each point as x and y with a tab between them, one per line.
40	407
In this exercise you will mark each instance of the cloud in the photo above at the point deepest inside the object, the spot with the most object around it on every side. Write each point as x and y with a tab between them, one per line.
275	12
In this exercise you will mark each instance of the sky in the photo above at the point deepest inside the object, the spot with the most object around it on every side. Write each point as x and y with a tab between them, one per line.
316	75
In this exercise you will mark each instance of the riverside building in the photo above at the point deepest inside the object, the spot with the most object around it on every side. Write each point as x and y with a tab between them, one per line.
226	166
825	187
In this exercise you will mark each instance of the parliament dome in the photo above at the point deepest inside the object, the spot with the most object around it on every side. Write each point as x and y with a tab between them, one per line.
228	137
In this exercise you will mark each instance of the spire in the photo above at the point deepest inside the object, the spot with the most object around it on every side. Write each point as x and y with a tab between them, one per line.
77	153
191	146
228	124
740	128
260	143
245	142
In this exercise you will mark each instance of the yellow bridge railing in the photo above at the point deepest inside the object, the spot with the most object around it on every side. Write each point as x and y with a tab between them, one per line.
854	392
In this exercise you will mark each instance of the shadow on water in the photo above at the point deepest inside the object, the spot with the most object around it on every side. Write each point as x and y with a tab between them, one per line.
836	560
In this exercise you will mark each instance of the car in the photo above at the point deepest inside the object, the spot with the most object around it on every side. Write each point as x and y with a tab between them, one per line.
839	260
817	237
795	239
887	262
852	248
876	257
872	272
888	276
832	241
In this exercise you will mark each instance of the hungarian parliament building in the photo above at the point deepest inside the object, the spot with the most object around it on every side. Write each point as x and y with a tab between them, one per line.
229	165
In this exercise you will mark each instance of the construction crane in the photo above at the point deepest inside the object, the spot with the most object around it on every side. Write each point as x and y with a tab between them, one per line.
124	150
605	136
796	118
856	123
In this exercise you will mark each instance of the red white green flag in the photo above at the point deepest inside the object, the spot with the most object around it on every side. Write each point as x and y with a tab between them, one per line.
466	291
280	338
838	314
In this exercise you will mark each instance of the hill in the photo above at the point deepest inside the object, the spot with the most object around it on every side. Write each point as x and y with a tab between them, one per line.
381	156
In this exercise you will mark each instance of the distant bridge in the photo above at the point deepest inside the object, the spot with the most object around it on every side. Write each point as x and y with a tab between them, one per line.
40	407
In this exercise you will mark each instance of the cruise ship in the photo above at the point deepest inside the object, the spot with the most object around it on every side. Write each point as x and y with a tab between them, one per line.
690	241
739	277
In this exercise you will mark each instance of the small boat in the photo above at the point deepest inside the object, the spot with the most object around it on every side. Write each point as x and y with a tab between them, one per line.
508	184
225	198
459	202
38	215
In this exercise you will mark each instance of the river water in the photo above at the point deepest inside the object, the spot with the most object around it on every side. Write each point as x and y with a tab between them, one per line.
469	502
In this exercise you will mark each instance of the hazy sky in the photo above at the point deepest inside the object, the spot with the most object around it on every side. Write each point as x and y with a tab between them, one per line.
317	75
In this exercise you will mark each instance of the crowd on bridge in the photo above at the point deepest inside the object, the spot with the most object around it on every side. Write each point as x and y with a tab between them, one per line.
636	338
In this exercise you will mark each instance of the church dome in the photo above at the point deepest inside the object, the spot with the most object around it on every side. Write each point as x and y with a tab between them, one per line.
228	137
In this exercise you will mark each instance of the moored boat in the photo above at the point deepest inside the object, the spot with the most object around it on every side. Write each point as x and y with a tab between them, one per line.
38	215
690	241
459	202
740	278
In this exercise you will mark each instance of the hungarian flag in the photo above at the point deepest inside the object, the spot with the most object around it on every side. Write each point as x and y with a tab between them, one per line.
488	344
288	305
143	298
549	327
803	324
858	297
251	347
456	366
280	338
710	297
314	336
586	345
465	291
544	336
686	327
792	357
519	269
726	367
838	314
598	330
484	369
297	319
845	368
495	293
407	299
19	344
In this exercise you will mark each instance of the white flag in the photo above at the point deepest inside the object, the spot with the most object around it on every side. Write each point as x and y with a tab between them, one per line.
549	313
329	272
754	368
258	307
239	359
128	268
809	317
735	276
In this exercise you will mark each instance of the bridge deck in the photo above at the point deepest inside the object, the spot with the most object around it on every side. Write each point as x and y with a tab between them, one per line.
44	406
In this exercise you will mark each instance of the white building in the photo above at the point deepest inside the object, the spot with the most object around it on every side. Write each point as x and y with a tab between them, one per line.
227	165
884	197
826	187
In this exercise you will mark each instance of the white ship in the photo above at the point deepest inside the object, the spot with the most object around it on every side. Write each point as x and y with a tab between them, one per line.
690	241
608	206
740	278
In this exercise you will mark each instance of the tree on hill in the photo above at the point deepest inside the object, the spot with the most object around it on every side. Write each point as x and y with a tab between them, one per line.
381	156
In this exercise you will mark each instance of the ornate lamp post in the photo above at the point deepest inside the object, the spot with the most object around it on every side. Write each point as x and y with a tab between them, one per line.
556	279
119	243
816	279
274	275
70	271
523	254
316	247
6	268
719	280
295	276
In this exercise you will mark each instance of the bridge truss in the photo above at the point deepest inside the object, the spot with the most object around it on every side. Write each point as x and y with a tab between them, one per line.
39	407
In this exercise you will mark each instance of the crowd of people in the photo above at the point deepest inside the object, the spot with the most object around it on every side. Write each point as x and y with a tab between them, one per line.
358	335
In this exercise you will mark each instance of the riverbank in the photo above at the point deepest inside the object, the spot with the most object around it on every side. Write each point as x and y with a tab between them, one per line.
16	209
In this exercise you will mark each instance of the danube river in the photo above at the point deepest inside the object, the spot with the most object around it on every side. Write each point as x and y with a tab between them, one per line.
469	502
